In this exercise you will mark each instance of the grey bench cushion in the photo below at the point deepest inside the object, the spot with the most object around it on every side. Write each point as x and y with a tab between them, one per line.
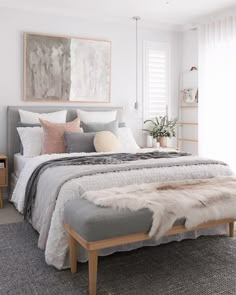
95	223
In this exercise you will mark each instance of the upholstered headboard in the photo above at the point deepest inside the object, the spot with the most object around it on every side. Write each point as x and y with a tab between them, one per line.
13	118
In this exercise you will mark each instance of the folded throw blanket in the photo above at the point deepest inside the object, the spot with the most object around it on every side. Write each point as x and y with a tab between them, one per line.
198	201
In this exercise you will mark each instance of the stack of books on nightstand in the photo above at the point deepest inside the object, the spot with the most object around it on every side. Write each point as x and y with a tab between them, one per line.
2	165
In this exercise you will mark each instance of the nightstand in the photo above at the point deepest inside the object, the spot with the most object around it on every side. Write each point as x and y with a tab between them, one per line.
3	176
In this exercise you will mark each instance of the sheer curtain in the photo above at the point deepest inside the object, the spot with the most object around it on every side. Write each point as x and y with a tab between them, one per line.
217	90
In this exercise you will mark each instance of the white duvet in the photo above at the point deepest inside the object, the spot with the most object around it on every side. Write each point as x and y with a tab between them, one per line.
54	239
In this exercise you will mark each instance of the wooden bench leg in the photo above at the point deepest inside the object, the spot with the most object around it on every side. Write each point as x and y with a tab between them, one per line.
73	254
231	229
93	265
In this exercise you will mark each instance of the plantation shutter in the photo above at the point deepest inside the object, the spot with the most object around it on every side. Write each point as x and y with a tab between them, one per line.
156	79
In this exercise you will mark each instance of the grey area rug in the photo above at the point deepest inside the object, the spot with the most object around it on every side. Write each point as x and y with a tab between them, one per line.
206	266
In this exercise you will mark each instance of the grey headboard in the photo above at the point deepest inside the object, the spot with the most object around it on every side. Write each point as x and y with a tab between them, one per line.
13	118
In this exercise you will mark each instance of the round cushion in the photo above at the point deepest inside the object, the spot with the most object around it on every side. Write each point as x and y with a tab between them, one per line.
105	141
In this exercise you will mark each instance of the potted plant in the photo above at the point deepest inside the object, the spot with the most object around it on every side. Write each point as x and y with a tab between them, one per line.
161	128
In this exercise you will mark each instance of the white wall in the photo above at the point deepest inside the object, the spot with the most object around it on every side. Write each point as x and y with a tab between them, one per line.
190	58
12	25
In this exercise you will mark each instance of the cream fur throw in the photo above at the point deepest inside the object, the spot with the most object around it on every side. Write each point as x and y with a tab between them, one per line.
198	201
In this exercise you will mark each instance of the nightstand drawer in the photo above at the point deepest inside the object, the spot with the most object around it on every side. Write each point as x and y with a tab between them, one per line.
3	176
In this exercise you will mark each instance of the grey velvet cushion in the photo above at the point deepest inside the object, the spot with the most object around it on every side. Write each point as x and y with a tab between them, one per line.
78	142
25	125
97	127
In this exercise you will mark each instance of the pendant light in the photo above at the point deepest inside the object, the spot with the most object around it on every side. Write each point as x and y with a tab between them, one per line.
136	18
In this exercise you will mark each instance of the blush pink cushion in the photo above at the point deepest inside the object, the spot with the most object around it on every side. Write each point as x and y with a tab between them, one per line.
53	137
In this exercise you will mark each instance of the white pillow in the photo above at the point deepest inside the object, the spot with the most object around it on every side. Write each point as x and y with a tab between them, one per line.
127	140
33	118
32	140
96	117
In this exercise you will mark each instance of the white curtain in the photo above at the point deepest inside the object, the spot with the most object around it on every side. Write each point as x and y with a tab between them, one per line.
217	90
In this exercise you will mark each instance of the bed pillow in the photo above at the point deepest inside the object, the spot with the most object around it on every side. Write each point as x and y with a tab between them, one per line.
25	125
53	137
33	118
97	127
78	142
106	141
31	139
96	117
122	124
127	140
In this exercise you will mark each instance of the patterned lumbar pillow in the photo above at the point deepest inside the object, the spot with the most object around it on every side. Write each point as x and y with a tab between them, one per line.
53	137
105	141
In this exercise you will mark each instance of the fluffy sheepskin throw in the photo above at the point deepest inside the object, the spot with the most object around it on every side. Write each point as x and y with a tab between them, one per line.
198	201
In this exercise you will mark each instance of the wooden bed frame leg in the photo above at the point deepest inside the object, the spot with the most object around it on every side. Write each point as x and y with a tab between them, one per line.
73	254
93	265
231	229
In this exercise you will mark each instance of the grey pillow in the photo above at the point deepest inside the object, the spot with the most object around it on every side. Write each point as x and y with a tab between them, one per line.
78	142
122	124
97	127
25	125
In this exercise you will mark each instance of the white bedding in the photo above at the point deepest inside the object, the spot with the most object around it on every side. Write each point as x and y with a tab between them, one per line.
19	163
54	238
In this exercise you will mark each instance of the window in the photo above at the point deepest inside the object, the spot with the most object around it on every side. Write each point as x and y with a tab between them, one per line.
156	79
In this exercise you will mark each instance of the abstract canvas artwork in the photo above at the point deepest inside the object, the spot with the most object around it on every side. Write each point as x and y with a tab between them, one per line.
58	68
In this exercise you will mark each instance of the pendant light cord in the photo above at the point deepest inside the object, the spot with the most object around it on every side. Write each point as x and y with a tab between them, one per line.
136	18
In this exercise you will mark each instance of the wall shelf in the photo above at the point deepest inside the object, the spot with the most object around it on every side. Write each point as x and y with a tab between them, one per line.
188	107
187	123
186	139
187	131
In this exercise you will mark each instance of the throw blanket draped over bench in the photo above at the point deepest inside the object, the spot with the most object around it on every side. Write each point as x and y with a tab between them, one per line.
198	201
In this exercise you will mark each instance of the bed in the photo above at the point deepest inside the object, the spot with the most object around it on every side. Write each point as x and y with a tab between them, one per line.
58	185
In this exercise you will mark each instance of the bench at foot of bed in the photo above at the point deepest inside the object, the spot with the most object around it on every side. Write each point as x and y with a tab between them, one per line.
94	246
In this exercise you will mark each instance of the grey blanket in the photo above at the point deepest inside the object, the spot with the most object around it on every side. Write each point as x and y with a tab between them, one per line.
31	188
87	160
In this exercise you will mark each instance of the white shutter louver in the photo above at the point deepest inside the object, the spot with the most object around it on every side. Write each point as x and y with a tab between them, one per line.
156	79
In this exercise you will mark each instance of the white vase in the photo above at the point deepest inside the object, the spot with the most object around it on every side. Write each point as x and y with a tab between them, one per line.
149	141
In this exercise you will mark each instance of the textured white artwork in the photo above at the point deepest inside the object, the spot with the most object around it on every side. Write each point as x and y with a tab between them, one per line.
90	75
70	69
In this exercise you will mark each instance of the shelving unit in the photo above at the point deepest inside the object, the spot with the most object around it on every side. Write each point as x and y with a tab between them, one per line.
187	134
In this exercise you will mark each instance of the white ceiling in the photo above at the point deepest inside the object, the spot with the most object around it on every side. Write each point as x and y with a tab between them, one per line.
173	13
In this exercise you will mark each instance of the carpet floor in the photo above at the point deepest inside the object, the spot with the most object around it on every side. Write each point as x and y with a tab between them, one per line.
206	266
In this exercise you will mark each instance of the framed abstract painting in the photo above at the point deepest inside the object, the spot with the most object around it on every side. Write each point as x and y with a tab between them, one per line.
66	69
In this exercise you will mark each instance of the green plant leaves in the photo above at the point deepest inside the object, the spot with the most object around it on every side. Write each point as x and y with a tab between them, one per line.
161	127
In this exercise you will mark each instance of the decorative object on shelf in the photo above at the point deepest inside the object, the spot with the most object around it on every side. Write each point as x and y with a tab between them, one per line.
161	128
193	69
190	95
63	68
136	18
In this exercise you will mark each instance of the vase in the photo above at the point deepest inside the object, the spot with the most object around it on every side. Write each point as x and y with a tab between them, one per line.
149	141
163	141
